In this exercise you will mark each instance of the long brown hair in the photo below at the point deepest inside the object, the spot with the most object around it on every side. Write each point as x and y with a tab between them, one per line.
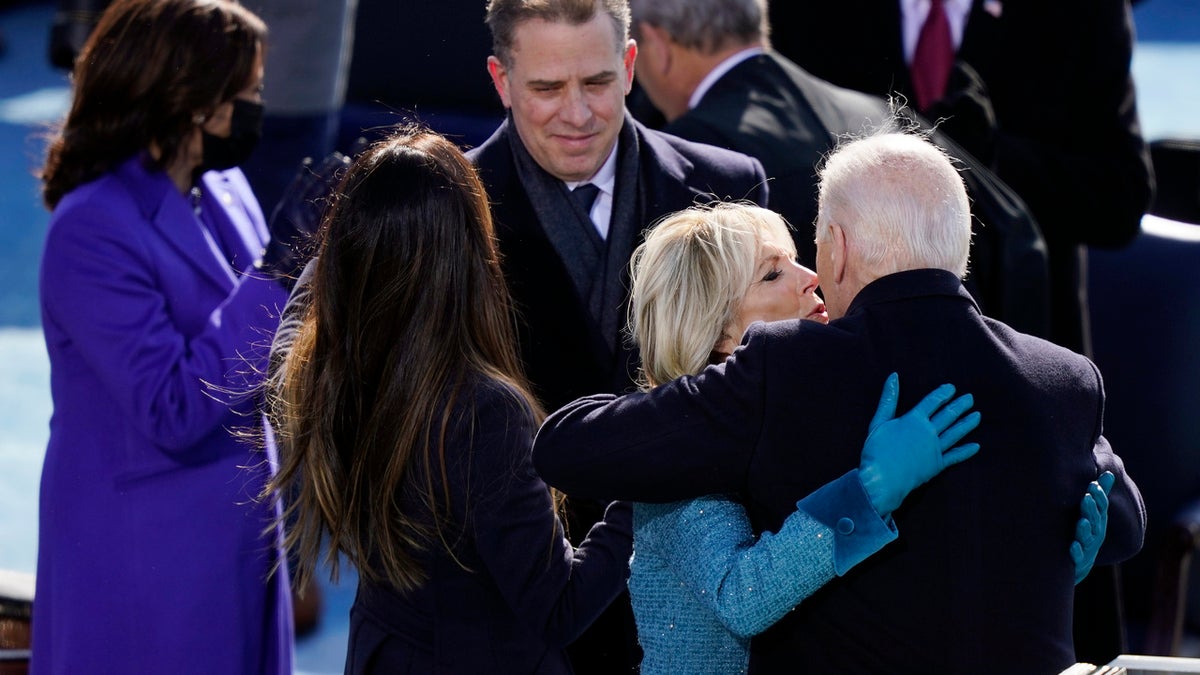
408	305
148	71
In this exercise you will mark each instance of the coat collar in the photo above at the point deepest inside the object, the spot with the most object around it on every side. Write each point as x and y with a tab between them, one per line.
908	285
169	212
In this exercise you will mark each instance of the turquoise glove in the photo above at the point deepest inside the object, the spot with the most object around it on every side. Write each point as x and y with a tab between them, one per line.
902	453
1093	523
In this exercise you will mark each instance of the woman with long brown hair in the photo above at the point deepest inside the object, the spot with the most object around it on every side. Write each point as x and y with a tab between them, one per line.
406	422
153	553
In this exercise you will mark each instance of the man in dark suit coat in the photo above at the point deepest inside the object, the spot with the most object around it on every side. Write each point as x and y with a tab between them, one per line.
562	70
718	82
569	353
1041	89
570	283
978	580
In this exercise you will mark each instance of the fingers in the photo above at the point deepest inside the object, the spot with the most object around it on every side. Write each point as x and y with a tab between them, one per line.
955	455
1099	500
886	409
1076	553
934	400
1091	514
956	433
955	409
1106	480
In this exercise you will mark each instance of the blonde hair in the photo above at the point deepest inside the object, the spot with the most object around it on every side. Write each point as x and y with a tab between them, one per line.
689	278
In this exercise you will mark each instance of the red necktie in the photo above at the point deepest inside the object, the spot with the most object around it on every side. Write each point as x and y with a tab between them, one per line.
933	57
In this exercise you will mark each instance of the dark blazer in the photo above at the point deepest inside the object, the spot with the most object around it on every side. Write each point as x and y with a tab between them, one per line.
514	593
979	580
771	109
563	352
1057	74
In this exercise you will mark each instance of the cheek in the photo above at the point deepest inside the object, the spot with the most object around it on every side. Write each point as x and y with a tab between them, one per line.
611	106
787	301
529	116
539	112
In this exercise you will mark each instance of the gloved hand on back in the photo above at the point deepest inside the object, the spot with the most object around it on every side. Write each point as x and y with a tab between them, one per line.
902	453
1092	525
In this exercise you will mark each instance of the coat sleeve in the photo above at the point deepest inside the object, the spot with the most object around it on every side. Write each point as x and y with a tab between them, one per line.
750	584
1126	510
688	438
102	288
558	590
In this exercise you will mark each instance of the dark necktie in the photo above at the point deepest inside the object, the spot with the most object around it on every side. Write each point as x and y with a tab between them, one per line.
585	195
933	57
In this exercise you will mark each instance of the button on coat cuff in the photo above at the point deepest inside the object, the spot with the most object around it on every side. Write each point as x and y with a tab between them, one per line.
842	506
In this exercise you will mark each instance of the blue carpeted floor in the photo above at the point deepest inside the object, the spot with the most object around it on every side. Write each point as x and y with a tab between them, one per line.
32	96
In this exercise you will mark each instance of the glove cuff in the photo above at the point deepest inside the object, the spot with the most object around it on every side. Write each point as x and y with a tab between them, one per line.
858	530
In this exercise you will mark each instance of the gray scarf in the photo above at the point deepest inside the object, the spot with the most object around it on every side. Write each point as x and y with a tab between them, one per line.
596	266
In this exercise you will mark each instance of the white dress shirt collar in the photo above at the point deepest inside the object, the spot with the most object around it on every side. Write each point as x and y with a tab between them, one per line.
719	72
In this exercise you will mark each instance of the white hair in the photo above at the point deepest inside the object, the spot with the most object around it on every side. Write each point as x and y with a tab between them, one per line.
900	202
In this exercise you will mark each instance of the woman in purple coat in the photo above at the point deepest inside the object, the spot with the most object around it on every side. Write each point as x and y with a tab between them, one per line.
152	554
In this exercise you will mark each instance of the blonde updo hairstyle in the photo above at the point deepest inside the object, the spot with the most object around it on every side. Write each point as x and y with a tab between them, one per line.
689	278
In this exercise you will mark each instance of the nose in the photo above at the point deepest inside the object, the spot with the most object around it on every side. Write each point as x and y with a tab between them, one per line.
808	280
575	109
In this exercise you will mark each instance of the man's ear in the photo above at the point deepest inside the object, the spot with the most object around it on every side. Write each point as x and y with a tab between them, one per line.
631	50
499	79
837	252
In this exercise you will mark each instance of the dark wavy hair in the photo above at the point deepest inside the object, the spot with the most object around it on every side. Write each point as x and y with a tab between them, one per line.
148	71
408	307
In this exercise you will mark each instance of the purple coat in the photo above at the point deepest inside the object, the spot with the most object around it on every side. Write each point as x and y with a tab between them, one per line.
151	556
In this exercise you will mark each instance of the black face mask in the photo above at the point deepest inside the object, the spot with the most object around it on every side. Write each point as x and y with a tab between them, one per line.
245	129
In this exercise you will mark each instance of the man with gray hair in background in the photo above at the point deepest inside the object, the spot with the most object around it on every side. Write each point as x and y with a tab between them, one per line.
708	66
977	583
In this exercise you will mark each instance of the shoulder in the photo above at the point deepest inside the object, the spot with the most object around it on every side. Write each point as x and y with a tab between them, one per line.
102	208
495	408
493	161
670	161
711	122
490	435
1049	364
673	149
491	151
